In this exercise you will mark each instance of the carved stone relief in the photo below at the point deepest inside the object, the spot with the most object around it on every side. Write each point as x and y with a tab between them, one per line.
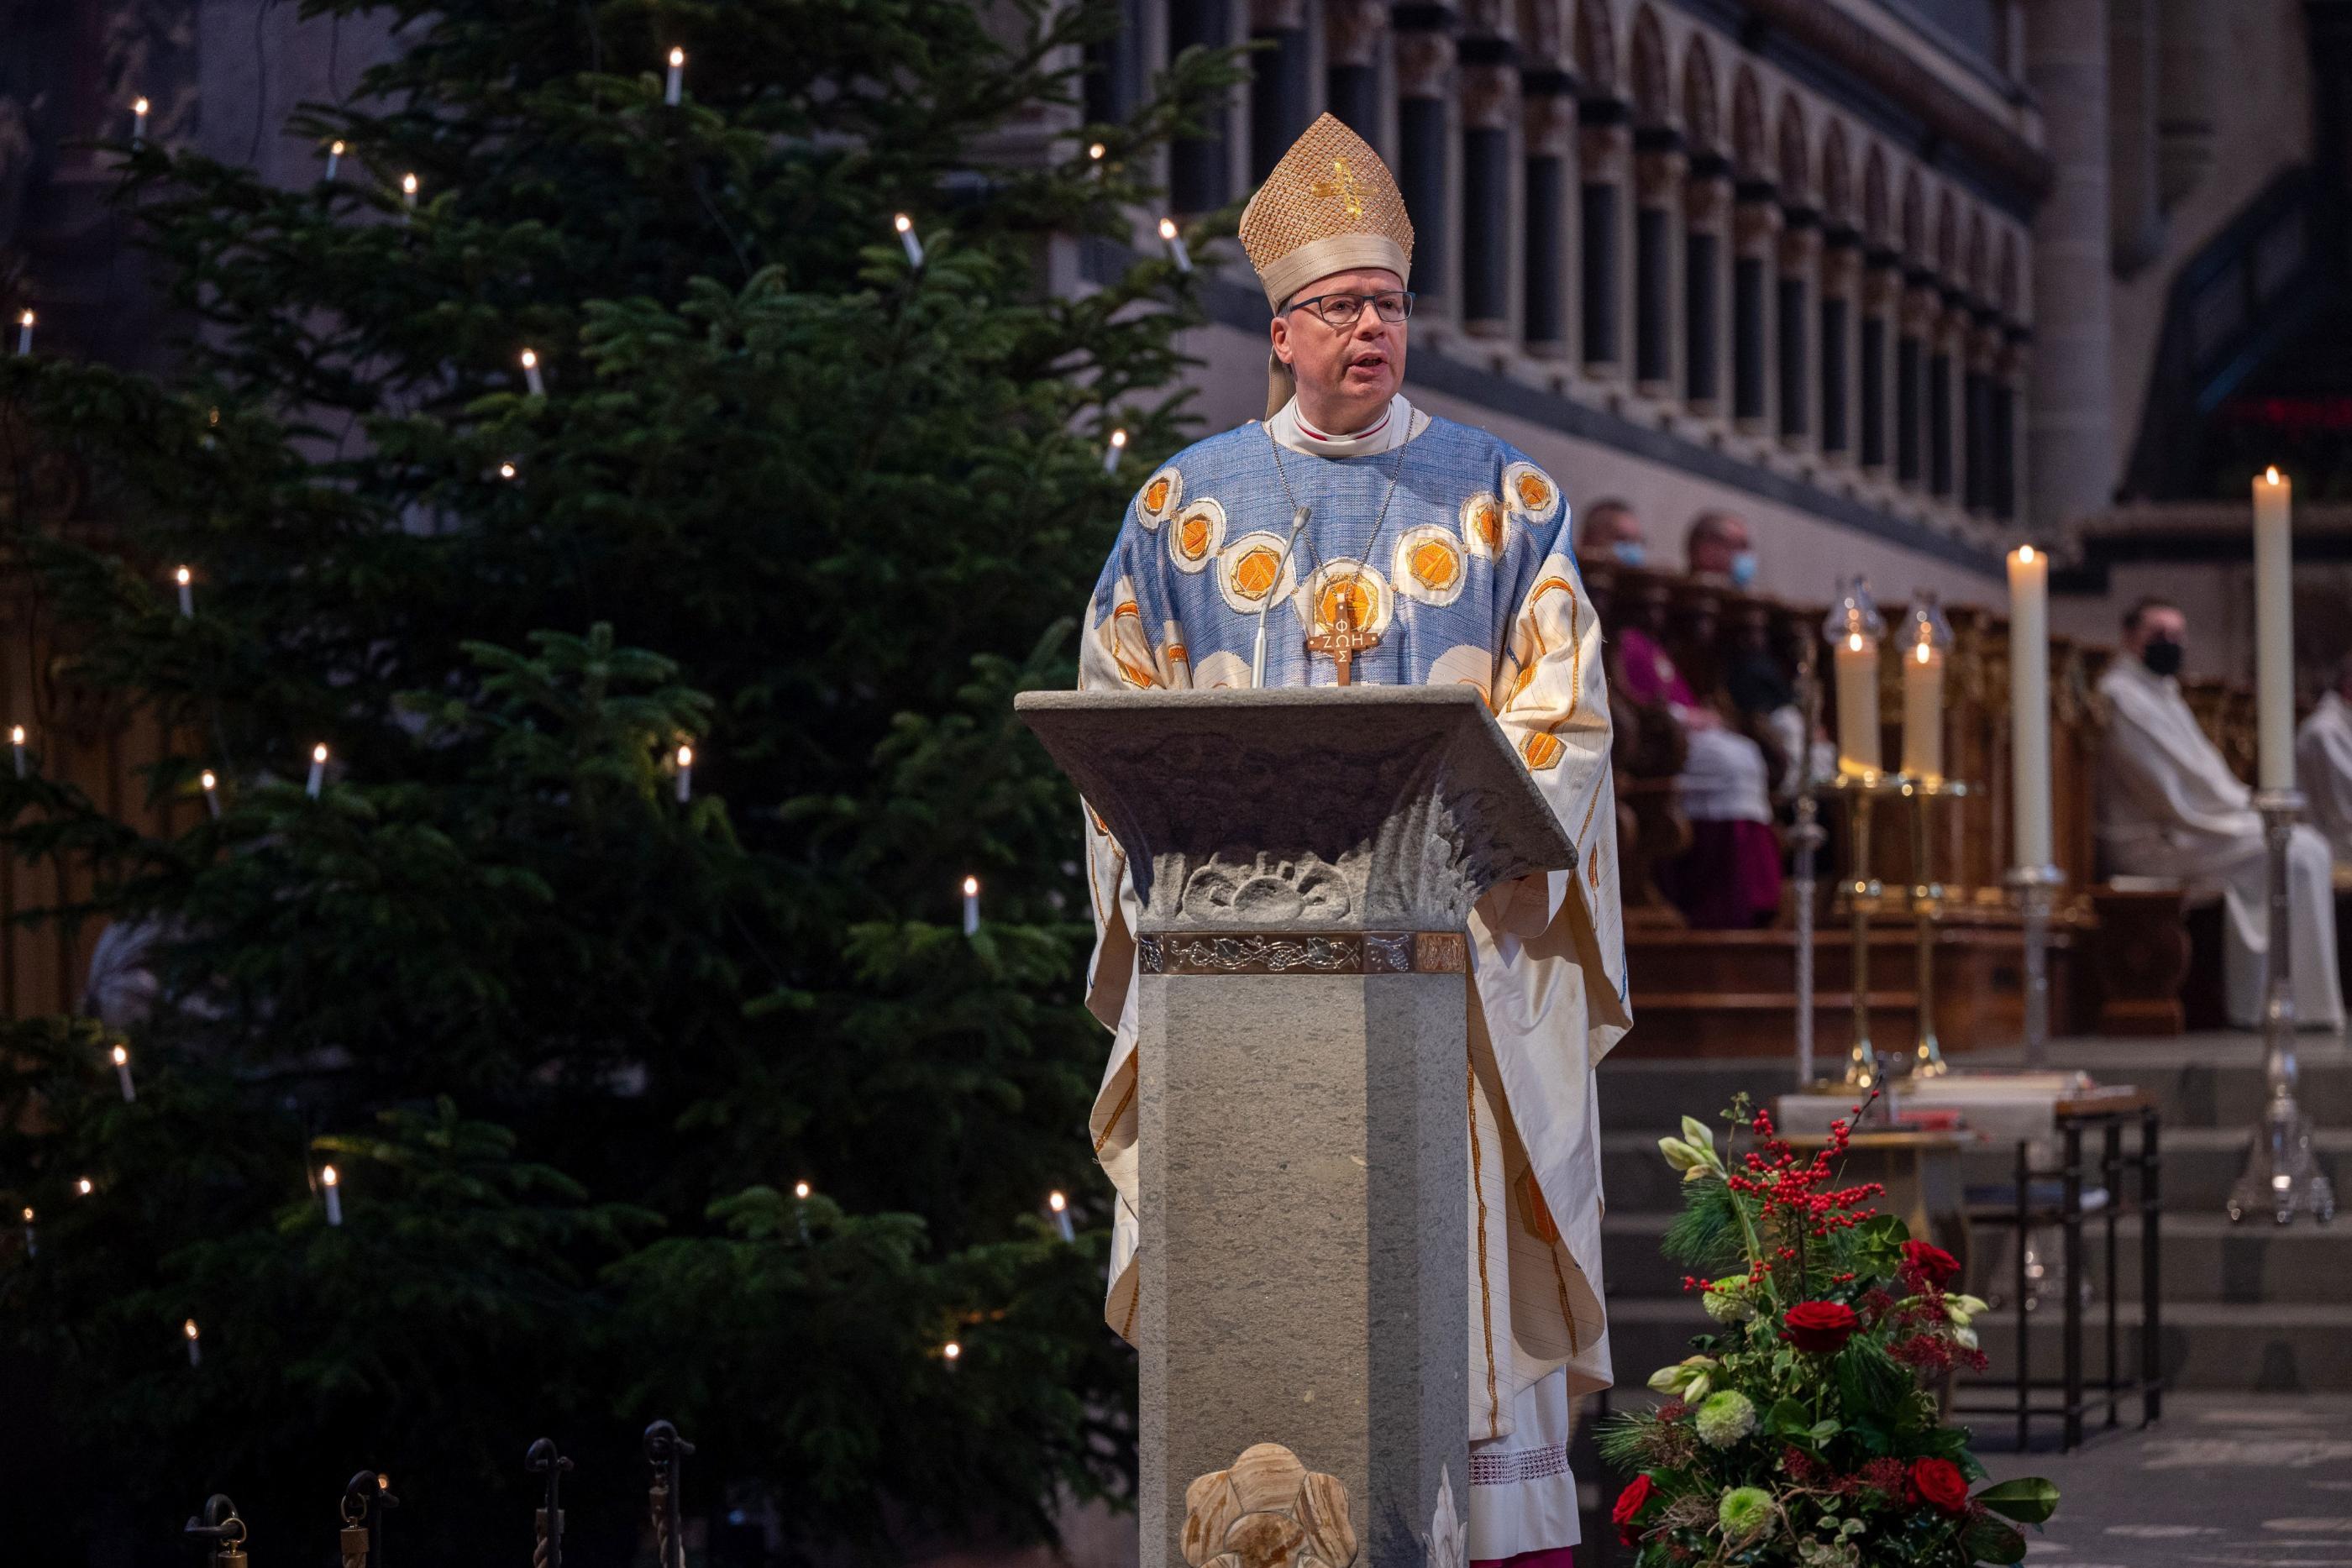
1267	1512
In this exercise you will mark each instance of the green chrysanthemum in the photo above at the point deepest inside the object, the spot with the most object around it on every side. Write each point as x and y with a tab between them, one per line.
1745	1513
1726	1300
1726	1417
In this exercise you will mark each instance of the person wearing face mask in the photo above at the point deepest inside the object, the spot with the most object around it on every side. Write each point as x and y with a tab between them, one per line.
1718	551
1730	879
2169	806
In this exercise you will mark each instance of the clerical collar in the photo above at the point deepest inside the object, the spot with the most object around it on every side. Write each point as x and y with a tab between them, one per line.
1398	425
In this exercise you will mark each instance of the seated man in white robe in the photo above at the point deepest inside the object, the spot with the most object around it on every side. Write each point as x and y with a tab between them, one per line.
2323	763
2169	806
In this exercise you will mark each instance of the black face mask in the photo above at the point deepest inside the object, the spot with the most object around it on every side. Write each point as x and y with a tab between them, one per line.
2162	656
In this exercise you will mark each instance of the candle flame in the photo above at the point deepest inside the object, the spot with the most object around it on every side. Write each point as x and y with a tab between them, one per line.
2025	554
506	470
408	183
16	735
1117	440
183	577
319	753
2271	476
686	756
1056	1202
189	1328
1926	652
952	1350
676	58
138	106
800	1190
207	780
1853	642
121	1056
529	359
1168	228
1094	149
336	147
327	1175
902	222
26	319
83	1186
28	1214
971	887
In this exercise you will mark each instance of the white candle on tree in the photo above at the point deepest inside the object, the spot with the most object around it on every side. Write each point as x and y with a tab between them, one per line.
1112	453
908	239
970	905
187	581
211	782
122	1073
137	121
531	378
17	745
195	1343
330	1186
334	160
675	87
684	774
32	1236
25	333
952	1352
407	196
317	772
1060	1205
1174	241
2029	703
2275	627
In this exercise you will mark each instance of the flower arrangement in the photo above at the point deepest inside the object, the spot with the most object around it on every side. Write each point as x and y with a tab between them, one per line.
1805	1432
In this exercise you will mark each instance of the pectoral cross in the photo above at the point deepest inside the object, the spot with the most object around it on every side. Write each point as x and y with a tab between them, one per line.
1344	641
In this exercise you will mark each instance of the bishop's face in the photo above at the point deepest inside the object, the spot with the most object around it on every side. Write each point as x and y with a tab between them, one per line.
1346	374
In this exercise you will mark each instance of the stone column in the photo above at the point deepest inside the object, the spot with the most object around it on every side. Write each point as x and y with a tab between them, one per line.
1302	1055
1353	31
1946	332
1840	273
1199	168
1920	308
1882	295
1490	108
1983	374
2070	421
1756	238
1548	119
1424	62
1282	86
1707	252
1793	322
1658	169
2009	389
1605	167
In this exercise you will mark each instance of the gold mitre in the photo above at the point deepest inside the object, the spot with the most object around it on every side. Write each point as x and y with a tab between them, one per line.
1330	206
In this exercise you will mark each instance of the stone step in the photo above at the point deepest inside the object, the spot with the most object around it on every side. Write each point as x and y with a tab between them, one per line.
2199	1080
2206	1258
2201	1164
2296	1346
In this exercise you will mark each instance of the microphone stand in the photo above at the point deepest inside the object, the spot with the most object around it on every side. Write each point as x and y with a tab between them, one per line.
1257	656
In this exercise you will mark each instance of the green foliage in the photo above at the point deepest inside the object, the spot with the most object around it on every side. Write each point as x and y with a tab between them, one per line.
1834	1325
567	1037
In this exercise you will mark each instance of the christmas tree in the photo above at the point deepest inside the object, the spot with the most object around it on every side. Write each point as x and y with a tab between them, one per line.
659	690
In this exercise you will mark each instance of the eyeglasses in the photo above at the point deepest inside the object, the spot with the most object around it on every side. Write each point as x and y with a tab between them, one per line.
1344	311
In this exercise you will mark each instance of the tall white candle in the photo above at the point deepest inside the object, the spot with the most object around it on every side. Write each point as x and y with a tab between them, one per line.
187	581
908	238
137	121
2275	627
1175	244
1923	713
25	333
1856	659
330	1186
122	1074
1061	1206
2029	705
684	774
317	771
1111	454
970	905
334	160
676	84
531	378
195	1345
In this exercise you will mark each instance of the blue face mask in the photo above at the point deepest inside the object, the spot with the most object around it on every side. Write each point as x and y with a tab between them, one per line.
1743	569
1629	552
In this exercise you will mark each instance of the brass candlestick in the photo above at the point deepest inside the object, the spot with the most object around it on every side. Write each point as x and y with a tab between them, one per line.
1863	893
1927	914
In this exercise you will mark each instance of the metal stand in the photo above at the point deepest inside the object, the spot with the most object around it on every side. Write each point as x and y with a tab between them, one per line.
2037	894
1927	912
1862	892
2280	1178
1807	839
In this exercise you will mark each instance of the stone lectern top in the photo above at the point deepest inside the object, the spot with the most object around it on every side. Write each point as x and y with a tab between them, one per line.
1361	808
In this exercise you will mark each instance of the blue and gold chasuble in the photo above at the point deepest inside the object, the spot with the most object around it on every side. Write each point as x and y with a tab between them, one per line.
1466	579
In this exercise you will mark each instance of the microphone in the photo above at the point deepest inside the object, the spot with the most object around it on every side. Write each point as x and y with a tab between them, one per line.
1257	657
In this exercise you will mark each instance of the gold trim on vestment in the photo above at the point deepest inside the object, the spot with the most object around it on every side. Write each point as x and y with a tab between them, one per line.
1485	1290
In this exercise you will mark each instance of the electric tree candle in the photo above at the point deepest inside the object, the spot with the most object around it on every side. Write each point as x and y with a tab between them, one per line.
334	160
210	781
25	333
531	378
187	583
1175	244
684	774
317	772
122	1073
195	1342
1112	453
970	905
331	1187
17	745
1060	1205
908	238
675	87
138	123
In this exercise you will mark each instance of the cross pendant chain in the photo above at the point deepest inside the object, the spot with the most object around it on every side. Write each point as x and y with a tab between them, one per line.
1344	641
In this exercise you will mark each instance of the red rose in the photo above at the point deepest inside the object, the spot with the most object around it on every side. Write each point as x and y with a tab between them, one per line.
1822	1326
1939	1267
1939	1484
1630	1504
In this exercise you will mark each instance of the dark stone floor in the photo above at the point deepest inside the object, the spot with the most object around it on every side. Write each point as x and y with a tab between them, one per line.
2225	1480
